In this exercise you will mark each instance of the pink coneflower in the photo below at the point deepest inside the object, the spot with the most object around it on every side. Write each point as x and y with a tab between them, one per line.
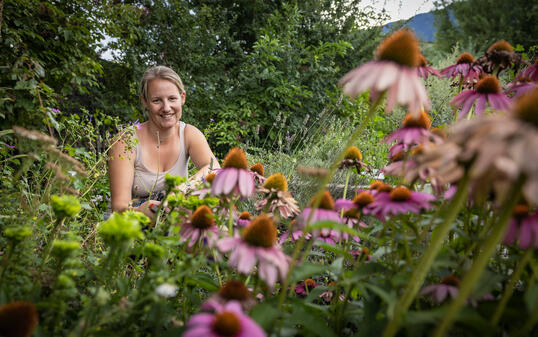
234	177
201	226
449	286
244	219
325	211
352	159
327	235
423	70
293	234
465	69
259	173
413	131
400	200
361	252
204	189
257	245
305	287
228	320
487	90
275	197
499	56
524	227
361	200
519	86
393	71
530	72
329	294
233	290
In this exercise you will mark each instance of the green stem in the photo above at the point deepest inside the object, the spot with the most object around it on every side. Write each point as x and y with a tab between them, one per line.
231	219
481	261
423	266
528	325
510	286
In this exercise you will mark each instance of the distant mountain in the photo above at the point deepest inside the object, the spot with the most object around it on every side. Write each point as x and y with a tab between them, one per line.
422	24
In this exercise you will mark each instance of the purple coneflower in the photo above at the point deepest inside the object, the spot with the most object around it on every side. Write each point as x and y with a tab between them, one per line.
487	90
228	320
438	292
275	196
400	200
327	235
393	71
519	86
523	226
423	70
325	211
257	245
293	234
305	287
205	190
352	159
465	69
328	294
233	290
259	173
234	177
500	55
413	131
530	72
201	226
244	219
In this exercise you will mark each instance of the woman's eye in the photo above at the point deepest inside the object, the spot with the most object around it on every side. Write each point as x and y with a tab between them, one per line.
173	98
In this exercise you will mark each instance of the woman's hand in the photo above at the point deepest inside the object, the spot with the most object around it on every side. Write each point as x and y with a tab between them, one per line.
149	208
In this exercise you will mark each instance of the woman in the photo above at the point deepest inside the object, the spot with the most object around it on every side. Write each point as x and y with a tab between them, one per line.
165	145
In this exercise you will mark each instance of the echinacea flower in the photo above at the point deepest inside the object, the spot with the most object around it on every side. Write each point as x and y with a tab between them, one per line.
328	295
205	188
487	90
519	86
400	200
325	211
257	245
233	290
201	226
244	219
449	286
18	319
275	197
327	235
259	173
423	70
465	69
352	158
305	287
524	227
293	234
530	72
393	71
414	131
228	320
234	176
499	56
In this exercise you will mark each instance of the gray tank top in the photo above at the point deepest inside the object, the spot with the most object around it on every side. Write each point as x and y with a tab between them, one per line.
148	183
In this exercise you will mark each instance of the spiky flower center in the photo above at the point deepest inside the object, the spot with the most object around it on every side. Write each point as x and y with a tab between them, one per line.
451	280
202	218
526	108
276	181
234	290
353	152
423	121
465	58
365	251
237	158
258	168
327	201
384	188
363	199
352	213
488	85
400	47
309	283
226	324
244	215
501	46
375	184
18	318
422	62
400	193
521	210
331	284
261	232
210	177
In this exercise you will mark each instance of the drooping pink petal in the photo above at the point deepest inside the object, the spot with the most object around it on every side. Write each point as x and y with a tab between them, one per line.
480	105
246	183
229	175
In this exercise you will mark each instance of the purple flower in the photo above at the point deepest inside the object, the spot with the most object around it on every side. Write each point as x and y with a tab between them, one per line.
400	200
201	226
228	320
234	177
464	68
438	292
523	227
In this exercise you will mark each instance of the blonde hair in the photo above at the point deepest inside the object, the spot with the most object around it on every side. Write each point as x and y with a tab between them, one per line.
159	72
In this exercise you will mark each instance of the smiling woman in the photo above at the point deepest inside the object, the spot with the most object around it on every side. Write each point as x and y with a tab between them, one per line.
164	145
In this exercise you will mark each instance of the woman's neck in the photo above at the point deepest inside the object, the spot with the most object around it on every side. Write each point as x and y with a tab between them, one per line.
160	136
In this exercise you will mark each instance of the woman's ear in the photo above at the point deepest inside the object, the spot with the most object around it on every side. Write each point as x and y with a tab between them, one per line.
144	102
183	96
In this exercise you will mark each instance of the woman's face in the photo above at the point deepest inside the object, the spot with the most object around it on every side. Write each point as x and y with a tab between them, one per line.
164	103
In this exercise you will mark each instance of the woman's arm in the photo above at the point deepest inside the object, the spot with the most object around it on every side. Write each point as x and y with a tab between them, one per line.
199	151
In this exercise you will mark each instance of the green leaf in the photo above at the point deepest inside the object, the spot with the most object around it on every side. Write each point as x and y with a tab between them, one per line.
264	314
308	269
531	297
311	321
339	227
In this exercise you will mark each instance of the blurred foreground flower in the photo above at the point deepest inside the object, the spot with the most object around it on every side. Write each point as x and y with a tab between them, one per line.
523	227
393	71
18	319
228	321
234	177
233	290
257	246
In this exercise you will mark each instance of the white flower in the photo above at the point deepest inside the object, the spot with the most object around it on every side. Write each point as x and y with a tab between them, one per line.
166	290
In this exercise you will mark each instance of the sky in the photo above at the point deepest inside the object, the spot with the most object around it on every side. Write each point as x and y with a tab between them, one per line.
401	9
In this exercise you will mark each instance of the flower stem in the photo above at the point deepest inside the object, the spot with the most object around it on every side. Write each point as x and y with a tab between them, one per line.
423	266
231	218
481	260
510	286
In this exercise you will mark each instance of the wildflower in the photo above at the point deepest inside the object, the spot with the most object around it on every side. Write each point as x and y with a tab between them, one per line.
423	70
244	219
327	235
275	196
201	226
257	245
487	90
465	69
523	226
166	290
233	290
329	293
448	287
293	234
305	286
499	56
519	86
399	200
392	71
413	131
530	72
228	320
18	319
325	210
259	173
234	175
352	158
361	252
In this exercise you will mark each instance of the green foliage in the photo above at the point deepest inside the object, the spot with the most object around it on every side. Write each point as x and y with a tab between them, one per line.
65	206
